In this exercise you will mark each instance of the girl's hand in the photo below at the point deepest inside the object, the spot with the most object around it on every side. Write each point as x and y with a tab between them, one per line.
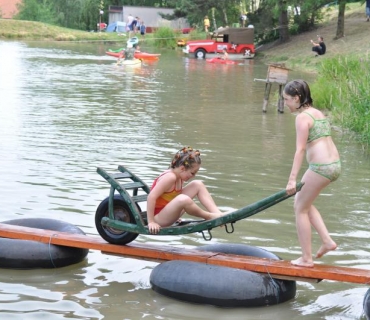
291	187
154	227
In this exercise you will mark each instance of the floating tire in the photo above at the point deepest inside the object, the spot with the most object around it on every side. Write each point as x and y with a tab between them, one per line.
366	304
221	286
27	254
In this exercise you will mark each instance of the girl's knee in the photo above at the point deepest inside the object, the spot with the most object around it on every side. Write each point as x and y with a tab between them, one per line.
301	207
298	206
198	184
183	199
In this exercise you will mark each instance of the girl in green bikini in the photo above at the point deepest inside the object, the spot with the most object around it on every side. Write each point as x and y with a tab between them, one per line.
313	139
168	199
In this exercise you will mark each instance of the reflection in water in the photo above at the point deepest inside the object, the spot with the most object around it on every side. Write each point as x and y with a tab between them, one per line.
67	109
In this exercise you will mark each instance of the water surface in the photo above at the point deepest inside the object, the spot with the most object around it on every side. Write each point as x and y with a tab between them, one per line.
67	108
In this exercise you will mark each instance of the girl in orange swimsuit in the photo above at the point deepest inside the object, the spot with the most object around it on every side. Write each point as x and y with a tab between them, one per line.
313	138
168	199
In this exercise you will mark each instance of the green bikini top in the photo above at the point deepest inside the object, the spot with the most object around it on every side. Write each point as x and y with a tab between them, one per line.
320	128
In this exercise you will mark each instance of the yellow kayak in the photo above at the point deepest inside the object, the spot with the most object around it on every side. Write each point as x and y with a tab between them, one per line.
133	62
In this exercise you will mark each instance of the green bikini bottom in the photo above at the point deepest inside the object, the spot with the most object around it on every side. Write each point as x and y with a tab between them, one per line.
330	171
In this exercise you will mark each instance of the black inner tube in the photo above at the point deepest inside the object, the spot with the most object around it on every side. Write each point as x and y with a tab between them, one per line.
28	254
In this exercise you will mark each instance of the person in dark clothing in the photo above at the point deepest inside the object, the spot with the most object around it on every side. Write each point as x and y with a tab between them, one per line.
142	28
319	47
134	24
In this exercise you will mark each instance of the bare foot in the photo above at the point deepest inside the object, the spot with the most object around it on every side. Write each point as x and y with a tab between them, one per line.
302	263
219	214
325	248
213	215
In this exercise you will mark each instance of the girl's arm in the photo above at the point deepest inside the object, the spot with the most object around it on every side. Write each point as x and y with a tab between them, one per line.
302	129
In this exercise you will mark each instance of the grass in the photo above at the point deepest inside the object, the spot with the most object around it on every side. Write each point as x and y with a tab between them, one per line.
342	87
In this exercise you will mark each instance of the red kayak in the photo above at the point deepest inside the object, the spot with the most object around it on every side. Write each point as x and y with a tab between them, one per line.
137	55
221	61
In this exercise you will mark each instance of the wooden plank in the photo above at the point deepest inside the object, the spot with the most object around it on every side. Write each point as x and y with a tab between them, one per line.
274	268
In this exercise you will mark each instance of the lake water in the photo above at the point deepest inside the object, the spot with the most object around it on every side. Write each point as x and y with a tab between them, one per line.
67	108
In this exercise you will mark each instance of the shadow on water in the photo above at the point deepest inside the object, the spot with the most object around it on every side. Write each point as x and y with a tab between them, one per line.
67	109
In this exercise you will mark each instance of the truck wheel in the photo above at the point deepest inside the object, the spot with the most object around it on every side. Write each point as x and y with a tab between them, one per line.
200	54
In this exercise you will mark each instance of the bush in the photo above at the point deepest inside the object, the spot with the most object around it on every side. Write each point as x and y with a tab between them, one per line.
197	35
165	37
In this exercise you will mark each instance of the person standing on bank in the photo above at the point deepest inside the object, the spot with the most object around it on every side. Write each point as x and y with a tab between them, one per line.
142	28
206	23
313	138
319	47
367	10
243	19
130	18
134	24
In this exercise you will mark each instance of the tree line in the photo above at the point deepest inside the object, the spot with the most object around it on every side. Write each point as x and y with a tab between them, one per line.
272	19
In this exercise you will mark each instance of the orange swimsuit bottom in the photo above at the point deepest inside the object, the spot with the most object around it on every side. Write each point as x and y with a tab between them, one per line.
166	197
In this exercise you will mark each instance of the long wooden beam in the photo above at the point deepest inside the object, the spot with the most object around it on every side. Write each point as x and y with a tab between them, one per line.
275	268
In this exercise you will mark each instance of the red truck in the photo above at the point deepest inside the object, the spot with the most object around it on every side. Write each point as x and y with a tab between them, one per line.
239	43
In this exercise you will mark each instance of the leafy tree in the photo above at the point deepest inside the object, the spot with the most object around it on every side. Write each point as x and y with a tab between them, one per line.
193	10
35	10
76	14
90	13
223	12
144	3
68	13
273	21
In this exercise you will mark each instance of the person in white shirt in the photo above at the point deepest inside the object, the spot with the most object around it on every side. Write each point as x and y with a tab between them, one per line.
130	19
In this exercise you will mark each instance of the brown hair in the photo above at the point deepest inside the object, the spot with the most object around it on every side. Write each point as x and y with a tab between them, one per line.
186	157
301	89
